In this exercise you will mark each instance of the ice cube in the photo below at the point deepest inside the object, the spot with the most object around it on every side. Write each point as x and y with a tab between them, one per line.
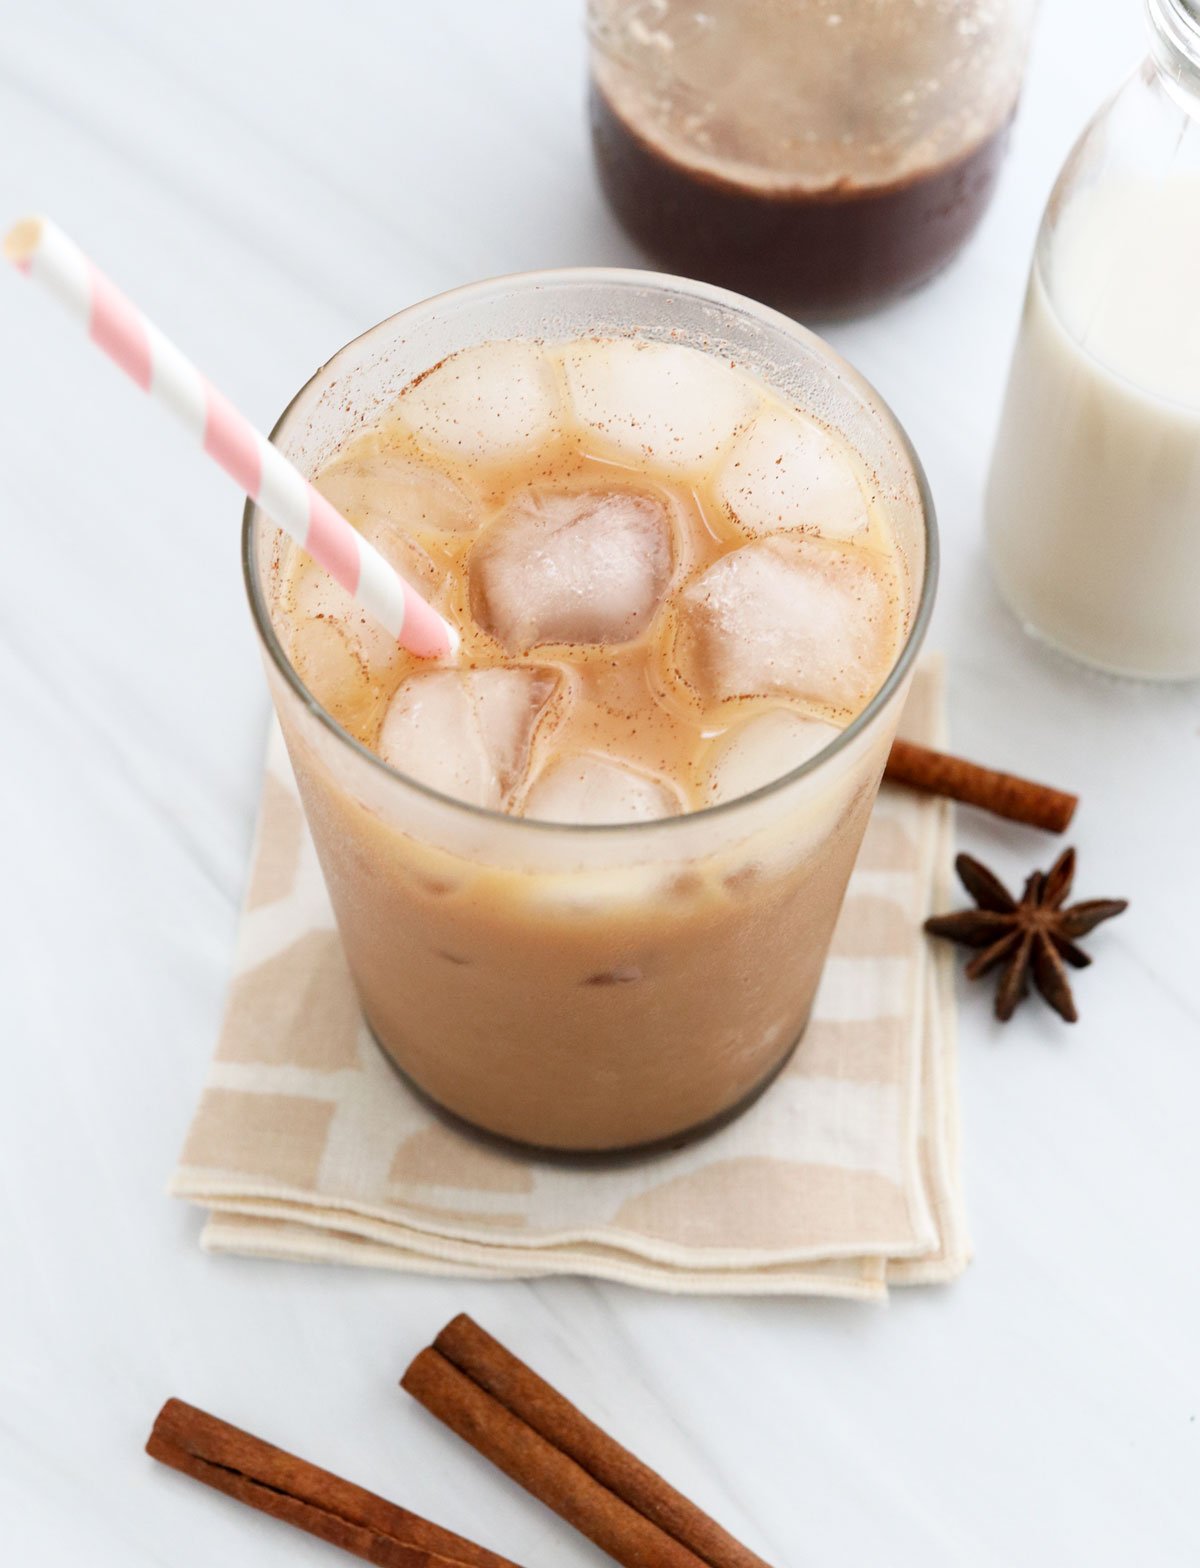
792	616
576	567
386	491
317	601
385	496
337	674
672	404
469	733
315	596
587	787
487	403
762	748
784	472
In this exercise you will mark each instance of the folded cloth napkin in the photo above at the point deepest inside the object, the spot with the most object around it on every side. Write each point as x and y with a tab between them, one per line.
841	1180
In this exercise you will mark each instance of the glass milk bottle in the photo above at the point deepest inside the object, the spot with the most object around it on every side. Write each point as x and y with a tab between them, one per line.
1093	502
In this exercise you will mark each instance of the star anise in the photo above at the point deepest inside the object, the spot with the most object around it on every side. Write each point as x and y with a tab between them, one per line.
1033	936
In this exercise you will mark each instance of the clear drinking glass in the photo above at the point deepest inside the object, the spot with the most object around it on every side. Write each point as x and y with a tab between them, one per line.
1093	502
821	154
604	987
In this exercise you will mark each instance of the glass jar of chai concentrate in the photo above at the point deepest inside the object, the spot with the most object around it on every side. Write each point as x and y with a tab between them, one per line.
822	155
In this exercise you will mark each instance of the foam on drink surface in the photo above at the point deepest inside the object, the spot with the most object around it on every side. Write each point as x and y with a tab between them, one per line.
671	586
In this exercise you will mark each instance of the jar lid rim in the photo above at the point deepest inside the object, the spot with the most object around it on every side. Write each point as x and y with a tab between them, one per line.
1176	25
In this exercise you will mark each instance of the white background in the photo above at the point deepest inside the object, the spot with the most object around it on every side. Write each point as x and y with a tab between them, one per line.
267	181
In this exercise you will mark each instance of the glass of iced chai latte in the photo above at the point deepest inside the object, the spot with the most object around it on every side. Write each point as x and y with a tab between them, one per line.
586	872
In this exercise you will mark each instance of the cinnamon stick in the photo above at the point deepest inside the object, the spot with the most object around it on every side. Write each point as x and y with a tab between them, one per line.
291	1489
1003	794
544	1443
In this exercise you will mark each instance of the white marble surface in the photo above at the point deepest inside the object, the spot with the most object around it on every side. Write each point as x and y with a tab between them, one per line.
268	180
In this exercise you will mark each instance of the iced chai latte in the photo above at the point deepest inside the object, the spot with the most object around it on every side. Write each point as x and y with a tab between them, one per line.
586	874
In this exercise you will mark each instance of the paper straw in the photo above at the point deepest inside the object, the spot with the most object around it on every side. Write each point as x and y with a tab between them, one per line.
41	249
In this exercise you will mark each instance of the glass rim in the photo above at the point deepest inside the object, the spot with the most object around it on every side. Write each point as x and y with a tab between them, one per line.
619	277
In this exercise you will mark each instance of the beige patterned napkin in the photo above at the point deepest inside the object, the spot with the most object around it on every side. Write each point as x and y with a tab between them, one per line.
843	1178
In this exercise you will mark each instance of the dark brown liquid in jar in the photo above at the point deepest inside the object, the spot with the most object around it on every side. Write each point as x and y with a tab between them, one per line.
824	157
829	252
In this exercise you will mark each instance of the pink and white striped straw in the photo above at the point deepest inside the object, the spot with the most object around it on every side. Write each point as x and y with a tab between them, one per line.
41	249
